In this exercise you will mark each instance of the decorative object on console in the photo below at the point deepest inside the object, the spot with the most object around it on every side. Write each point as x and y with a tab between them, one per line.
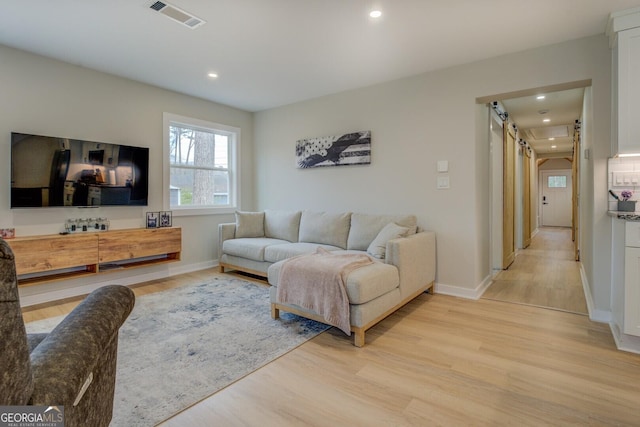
165	219
152	219
347	149
75	225
7	233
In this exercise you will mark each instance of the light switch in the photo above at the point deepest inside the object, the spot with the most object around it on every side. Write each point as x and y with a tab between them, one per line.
443	166
443	182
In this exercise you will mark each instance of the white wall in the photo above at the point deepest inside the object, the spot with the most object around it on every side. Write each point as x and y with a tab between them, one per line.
555	164
48	97
415	122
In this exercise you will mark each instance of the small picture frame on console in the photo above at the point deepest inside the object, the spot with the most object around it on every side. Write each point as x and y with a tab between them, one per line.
165	219
153	219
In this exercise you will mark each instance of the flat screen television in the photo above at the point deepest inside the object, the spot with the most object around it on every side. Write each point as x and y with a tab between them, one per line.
49	171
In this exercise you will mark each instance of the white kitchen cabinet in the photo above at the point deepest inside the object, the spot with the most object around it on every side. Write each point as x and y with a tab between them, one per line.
631	322
623	30
628	93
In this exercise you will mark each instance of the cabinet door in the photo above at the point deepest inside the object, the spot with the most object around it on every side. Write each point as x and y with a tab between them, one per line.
628	91
632	291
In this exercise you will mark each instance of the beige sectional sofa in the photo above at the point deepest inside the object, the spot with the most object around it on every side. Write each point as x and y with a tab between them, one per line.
404	256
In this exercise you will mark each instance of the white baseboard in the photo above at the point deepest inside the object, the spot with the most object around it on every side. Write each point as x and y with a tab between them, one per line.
55	291
600	316
623	341
467	293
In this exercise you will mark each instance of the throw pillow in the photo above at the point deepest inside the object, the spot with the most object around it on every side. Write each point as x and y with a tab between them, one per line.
282	225
365	228
249	224
378	248
325	228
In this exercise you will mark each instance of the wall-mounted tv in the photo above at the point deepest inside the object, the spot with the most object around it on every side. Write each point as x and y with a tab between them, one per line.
48	171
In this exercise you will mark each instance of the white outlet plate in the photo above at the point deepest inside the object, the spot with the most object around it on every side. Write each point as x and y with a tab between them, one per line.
443	182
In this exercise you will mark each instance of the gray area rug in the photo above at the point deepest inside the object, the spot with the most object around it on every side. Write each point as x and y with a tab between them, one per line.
182	345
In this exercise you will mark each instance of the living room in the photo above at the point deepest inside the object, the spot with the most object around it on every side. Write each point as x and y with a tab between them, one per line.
415	121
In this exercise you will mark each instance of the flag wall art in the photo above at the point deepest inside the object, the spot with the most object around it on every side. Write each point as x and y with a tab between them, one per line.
346	149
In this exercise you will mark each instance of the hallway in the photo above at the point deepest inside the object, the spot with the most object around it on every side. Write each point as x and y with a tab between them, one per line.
543	275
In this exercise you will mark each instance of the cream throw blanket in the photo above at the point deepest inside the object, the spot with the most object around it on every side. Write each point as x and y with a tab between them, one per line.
318	282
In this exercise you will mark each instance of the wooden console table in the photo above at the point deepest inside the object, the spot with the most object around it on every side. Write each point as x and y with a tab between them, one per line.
57	257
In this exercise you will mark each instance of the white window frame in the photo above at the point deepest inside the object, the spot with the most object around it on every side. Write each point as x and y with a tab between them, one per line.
169	119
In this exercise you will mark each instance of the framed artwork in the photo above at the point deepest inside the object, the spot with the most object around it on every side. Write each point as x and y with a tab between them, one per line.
153	219
347	149
165	219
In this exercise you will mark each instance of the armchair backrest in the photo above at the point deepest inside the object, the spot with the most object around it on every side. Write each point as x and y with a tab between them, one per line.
16	380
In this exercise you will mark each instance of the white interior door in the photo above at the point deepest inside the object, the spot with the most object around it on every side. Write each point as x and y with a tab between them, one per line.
556	198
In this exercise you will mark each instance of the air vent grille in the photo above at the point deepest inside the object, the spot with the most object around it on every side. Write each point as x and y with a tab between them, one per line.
158	6
177	14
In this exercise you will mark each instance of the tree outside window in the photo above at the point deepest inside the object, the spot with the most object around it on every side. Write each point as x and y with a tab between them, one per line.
201	166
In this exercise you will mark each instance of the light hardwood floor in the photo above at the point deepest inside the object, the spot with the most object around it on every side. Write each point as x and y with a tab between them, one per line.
545	274
440	360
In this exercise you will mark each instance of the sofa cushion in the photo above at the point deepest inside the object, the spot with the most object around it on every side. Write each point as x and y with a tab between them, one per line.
378	247
282	225
367	283
249	224
363	284
277	253
250	248
326	228
365	228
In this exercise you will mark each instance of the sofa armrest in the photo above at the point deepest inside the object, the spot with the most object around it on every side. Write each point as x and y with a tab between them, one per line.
226	231
415	258
64	361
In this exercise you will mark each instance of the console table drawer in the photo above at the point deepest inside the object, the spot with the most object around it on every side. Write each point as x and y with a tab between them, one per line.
48	253
131	244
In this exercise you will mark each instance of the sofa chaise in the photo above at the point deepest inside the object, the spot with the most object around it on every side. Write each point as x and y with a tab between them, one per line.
403	267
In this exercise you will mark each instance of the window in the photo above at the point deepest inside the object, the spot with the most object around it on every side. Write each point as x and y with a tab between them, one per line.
201	159
557	181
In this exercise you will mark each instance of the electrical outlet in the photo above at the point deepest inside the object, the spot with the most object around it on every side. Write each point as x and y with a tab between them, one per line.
443	182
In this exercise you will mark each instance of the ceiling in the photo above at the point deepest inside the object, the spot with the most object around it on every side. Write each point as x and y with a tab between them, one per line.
269	53
561	109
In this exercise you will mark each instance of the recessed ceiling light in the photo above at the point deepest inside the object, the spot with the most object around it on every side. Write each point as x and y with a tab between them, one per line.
212	75
552	139
554	146
546	120
539	97
375	14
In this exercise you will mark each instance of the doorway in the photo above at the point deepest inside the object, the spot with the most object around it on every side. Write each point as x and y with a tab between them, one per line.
545	217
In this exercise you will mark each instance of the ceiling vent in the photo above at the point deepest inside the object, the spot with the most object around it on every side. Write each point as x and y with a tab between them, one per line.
177	14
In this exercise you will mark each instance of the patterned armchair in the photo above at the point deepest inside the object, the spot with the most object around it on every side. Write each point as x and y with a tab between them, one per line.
73	366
